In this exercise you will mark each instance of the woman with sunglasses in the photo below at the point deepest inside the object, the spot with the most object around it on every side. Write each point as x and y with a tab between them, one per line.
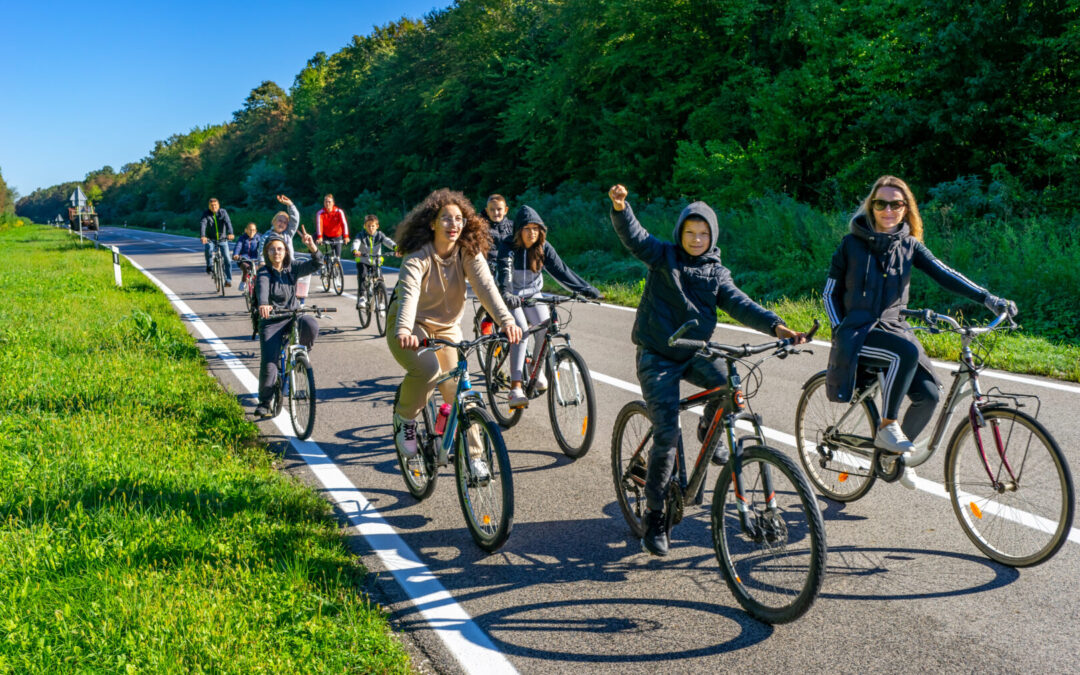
867	287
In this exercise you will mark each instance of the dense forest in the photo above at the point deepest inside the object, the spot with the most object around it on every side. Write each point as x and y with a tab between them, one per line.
780	114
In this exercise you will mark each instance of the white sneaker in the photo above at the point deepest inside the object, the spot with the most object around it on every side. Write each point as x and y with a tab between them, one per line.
405	438
479	470
518	399
541	381
243	286
891	439
361	302
907	479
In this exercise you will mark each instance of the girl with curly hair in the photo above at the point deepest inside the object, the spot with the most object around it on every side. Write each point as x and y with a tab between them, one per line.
445	243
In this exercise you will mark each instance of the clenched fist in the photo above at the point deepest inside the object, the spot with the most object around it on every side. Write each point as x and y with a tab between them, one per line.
618	197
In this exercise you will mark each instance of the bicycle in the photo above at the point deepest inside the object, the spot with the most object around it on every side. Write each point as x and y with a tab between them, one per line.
1015	503
767	530
331	274
250	301
296	379
570	394
373	291
488	505
217	268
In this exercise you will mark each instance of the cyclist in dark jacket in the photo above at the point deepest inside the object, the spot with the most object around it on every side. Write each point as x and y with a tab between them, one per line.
868	285
246	251
685	281
215	229
275	290
494	214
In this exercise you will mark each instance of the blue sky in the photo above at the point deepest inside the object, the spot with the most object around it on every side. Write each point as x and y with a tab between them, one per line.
83	85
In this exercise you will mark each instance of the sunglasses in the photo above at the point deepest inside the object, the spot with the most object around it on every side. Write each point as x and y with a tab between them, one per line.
881	205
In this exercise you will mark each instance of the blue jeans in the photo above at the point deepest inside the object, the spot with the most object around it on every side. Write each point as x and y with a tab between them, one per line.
223	246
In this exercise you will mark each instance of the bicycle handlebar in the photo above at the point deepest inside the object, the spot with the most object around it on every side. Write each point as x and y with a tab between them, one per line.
932	318
435	344
317	311
557	300
732	350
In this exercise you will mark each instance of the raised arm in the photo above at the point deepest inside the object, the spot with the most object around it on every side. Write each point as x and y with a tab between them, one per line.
633	236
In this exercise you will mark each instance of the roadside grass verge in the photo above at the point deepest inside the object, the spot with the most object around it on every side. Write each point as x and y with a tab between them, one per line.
143	527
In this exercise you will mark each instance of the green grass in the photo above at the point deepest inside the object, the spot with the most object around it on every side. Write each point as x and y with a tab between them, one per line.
143	527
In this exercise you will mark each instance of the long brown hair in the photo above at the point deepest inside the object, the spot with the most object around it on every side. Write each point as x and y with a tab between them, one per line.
415	229
914	220
534	257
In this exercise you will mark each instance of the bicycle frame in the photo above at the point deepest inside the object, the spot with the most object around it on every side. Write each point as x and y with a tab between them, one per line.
463	396
289	349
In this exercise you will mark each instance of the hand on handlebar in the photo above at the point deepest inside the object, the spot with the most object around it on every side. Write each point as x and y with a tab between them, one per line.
1000	305
513	333
410	342
264	311
786	333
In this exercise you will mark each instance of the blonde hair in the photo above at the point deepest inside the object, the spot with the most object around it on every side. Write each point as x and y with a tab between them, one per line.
911	215
280	214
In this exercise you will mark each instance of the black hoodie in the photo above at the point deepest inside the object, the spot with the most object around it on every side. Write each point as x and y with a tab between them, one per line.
680	287
516	278
868	285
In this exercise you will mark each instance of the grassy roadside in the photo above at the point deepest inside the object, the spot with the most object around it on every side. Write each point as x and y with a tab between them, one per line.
142	526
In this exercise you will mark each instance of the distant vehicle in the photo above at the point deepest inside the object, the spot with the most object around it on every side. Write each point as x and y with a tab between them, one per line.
81	215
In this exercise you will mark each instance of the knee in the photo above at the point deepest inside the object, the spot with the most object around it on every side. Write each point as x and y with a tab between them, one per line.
925	392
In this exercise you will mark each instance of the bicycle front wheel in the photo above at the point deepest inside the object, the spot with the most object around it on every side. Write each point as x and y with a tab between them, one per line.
381	301
302	396
324	278
836	471
364	310
219	277
1024	515
337	278
488	503
497	376
572	403
629	462
769	536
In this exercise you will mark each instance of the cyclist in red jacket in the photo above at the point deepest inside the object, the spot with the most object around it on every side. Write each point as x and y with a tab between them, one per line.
330	224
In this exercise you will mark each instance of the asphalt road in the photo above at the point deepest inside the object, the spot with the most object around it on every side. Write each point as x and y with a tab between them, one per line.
571	590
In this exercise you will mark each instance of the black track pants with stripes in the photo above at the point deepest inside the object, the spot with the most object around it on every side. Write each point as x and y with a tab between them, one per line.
903	376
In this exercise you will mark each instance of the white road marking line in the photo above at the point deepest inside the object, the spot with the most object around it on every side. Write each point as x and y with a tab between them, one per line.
928	486
463	638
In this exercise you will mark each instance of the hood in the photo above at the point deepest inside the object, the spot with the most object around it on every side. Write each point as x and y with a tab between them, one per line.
525	215
877	241
699	210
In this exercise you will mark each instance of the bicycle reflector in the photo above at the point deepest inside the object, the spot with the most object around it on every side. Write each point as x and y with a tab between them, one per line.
487	326
740	400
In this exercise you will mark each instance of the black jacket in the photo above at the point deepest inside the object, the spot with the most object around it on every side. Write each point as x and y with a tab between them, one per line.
680	287
514	275
500	232
206	224
278	289
868	285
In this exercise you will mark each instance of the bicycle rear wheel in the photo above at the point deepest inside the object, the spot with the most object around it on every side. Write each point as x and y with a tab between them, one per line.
572	403
381	301
775	565
1025	517
302	396
219	276
497	378
488	505
337	278
836	471
419	471
629	462
364	310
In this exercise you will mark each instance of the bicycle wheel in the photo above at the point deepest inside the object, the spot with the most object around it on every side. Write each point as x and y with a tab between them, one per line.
629	462
837	472
497	378
302	396
364	310
775	565
337	278
324	277
381	301
481	354
419	472
572	403
488	505
1026	517
219	276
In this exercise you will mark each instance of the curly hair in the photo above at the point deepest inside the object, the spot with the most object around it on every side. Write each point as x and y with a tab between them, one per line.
912	216
416	228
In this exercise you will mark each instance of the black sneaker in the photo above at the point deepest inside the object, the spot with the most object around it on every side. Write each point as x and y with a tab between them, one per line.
720	454
702	428
655	540
209	270
262	412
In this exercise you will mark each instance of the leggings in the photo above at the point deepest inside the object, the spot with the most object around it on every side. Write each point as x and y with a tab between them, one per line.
903	376
335	245
271	335
525	317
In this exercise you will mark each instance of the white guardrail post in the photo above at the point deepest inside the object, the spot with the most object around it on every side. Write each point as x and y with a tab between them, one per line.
116	266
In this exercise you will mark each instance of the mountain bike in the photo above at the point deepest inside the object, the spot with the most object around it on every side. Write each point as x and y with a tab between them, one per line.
570	394
1007	479
250	301
467	430
217	268
373	291
331	274
767	531
296	378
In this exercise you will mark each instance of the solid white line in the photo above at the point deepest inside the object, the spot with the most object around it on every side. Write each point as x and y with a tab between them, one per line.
928	486
463	638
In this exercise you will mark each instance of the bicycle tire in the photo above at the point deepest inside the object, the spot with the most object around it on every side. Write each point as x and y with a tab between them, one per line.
794	576
632	430
481	354
419	472
573	436
497	381
324	278
302	396
488	508
219	276
839	474
994	518
337	277
365	311
382	301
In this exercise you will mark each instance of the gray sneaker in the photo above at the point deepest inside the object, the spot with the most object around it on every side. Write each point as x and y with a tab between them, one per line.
891	439
405	438
479	470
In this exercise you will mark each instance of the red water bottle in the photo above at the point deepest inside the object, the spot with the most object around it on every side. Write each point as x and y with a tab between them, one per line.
440	419
487	326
